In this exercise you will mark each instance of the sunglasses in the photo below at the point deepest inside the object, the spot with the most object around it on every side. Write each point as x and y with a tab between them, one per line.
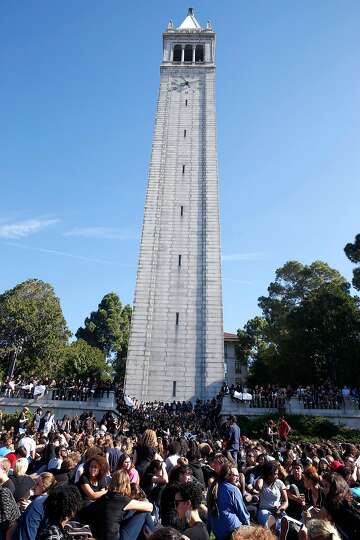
178	501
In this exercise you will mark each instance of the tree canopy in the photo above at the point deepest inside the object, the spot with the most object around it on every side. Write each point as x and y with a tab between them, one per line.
352	252
108	329
80	360
32	321
309	331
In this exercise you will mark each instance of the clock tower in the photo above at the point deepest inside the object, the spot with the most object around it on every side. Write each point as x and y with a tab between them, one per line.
176	341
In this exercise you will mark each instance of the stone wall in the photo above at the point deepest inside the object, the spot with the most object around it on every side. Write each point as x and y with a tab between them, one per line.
60	407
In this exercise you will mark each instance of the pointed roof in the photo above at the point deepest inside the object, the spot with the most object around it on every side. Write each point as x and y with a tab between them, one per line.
190	22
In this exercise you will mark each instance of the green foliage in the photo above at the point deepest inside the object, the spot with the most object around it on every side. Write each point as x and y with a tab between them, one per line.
79	359
108	329
11	419
352	252
31	319
304	428
309	332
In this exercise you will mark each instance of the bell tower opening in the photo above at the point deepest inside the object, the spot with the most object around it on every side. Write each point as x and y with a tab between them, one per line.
177	53
188	53
199	53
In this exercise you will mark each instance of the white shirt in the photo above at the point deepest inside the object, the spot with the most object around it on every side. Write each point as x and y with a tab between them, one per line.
171	461
28	443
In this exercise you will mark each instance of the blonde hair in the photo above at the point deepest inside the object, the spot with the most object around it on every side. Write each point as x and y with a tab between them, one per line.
253	533
319	529
120	483
21	466
149	438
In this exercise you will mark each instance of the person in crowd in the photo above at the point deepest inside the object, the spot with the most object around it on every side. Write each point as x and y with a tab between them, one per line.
295	491
28	442
146	451
66	473
194	457
179	474
253	532
188	498
49	418
23	421
15	455
173	455
9	512
232	438
314	494
273	497
37	419
62	504
339	508
226	509
5	445
92	484
116	515
23	483
153	482
125	462
113	454
284	429
5	481
30	520
60	454
165	533
320	529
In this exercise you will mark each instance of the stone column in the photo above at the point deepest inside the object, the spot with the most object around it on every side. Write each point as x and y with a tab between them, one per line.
193	56
171	52
182	53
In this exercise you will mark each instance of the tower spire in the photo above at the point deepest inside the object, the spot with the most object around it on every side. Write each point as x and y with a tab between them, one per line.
190	22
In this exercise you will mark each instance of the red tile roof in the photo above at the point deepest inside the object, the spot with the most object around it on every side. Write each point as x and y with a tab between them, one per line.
230	337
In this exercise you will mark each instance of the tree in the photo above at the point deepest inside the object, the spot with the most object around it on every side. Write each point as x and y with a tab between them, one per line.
83	361
296	339
323	339
352	252
252	338
293	283
31	320
108	329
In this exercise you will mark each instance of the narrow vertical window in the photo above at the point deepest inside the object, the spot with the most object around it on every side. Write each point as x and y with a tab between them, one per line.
186	101
181	211
174	389
184	133
183	169
177	318
179	260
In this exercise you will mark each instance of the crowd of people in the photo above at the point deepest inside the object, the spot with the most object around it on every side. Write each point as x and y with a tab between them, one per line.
313	397
65	388
171	471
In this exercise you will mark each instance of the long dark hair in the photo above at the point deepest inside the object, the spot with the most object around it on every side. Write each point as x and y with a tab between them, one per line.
214	489
339	493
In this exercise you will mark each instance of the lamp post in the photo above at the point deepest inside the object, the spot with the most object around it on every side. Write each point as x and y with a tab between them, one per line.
13	356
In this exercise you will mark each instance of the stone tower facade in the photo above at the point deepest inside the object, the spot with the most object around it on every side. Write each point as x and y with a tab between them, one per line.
176	346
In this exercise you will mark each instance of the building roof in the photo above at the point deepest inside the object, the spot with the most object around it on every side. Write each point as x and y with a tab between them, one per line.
190	22
230	337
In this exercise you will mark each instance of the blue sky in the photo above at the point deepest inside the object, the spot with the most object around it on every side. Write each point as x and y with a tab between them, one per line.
79	83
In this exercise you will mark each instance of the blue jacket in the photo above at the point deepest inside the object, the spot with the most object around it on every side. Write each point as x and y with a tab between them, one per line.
29	522
232	435
232	511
